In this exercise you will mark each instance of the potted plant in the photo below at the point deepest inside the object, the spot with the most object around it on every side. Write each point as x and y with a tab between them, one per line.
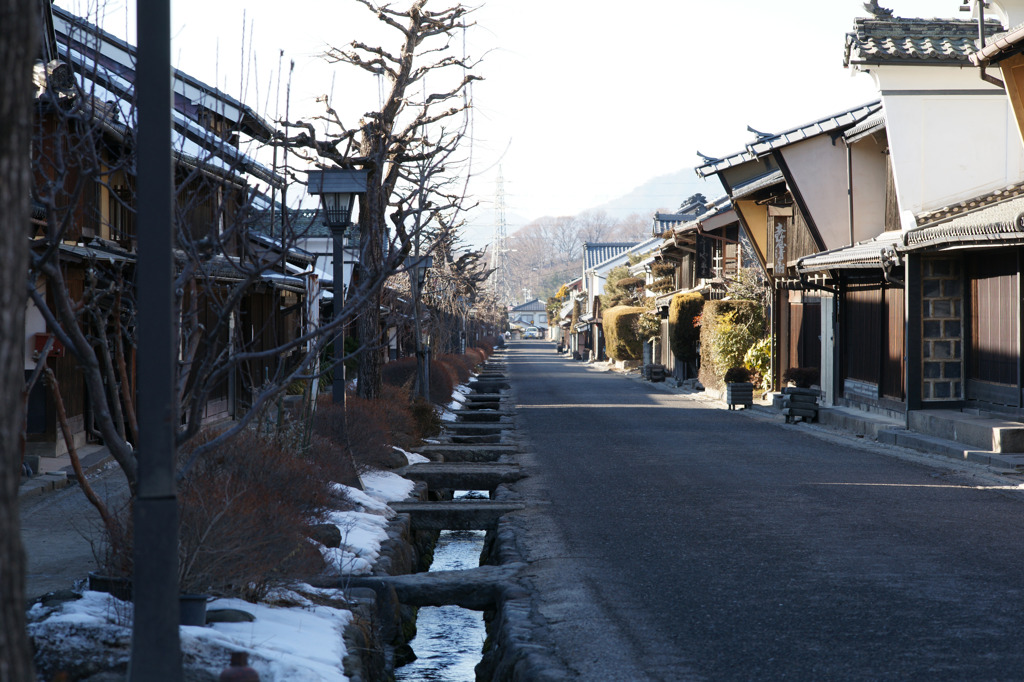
738	388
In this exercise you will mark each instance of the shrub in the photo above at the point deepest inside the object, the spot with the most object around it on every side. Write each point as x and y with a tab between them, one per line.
737	375
758	360
426	418
366	437
243	514
683	333
728	330
648	325
803	377
620	333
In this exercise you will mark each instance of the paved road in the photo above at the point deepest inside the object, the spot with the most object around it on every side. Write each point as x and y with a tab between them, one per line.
674	540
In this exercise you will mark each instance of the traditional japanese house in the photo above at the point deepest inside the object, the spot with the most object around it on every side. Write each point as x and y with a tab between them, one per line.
84	164
703	248
792	193
945	272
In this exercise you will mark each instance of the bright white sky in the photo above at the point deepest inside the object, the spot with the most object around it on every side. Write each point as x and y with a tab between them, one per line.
583	100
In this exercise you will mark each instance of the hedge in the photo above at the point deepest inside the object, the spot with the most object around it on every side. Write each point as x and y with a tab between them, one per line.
682	334
734	325
620	333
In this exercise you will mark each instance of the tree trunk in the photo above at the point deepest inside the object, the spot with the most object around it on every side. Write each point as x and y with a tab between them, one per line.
18	38
371	257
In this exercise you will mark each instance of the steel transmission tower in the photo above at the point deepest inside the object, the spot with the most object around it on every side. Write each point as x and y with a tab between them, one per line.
500	282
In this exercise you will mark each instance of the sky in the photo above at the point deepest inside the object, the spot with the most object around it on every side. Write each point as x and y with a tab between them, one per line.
581	101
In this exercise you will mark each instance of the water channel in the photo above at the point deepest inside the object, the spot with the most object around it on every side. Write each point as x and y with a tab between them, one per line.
449	640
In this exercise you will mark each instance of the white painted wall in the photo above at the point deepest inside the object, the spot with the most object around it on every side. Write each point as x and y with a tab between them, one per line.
952	136
34	324
1010	12
820	171
869	168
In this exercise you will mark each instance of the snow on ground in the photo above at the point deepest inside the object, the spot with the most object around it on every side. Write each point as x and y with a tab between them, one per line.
292	638
300	641
414	457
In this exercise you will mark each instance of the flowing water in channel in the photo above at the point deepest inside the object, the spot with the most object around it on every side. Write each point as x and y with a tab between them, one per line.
449	640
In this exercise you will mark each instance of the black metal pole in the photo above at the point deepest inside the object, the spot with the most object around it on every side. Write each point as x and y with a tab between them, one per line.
338	384
156	648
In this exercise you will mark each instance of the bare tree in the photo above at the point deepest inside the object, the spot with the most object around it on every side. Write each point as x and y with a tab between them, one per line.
241	325
595	226
18	48
394	142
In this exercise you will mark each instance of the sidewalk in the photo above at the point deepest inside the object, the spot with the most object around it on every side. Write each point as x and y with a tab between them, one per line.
56	472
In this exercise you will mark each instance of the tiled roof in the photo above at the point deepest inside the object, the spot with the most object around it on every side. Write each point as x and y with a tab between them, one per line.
599	252
872	124
536	305
897	40
850	117
961	207
766	143
757	184
998	46
871	253
304	223
999	223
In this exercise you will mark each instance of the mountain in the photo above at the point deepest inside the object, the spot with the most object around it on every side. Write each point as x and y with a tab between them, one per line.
665	192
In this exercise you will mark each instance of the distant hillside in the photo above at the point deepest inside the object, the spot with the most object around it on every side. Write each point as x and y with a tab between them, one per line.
663	192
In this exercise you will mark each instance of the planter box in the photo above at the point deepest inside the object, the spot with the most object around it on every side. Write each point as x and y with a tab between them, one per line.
739	393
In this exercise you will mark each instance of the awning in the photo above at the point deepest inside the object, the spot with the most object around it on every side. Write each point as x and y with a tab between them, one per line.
1001	223
91	253
762	182
876	253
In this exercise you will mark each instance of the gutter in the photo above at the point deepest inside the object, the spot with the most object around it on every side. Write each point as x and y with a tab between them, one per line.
982	48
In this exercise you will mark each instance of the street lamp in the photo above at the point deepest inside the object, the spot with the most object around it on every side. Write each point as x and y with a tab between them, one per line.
417	266
337	188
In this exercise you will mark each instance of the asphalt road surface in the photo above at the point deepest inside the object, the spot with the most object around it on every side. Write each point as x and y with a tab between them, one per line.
672	539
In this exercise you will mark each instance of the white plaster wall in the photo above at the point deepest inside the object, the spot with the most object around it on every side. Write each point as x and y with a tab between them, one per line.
34	324
952	136
819	170
869	162
1010	12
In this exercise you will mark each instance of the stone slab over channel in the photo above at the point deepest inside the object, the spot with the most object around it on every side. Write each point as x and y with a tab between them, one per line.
470	452
478	589
461	475
455	515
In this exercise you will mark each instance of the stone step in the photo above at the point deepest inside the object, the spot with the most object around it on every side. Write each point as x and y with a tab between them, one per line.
976	431
466	515
948	448
462	475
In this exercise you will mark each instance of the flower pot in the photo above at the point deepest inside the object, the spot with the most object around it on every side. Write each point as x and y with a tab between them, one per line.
192	609
739	393
116	586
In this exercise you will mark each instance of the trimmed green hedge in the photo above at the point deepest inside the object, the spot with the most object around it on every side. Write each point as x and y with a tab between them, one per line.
620	332
728	330
682	334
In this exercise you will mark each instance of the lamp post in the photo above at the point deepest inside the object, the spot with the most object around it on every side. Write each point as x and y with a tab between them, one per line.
417	266
337	188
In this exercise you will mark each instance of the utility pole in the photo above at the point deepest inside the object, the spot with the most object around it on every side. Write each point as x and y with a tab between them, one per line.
500	284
